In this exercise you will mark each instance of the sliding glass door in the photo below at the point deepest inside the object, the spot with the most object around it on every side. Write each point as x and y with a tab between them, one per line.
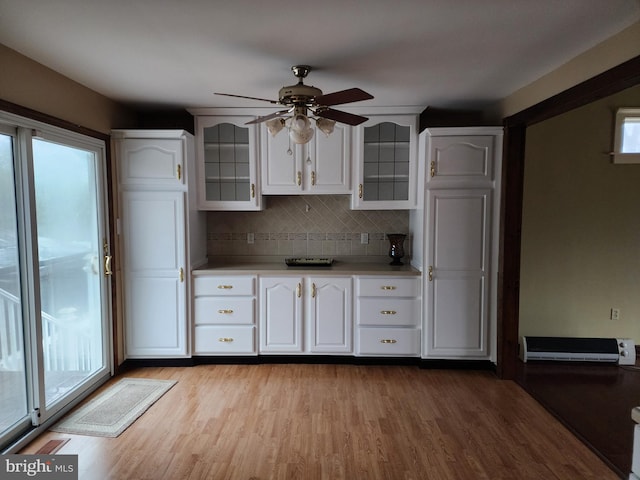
55	312
14	404
70	254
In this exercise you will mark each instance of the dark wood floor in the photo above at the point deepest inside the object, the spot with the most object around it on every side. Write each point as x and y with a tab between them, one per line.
593	400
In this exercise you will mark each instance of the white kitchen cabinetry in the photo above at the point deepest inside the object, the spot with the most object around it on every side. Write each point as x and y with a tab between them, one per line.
385	163
158	245
458	255
321	166
227	154
388	316
224	315
321	306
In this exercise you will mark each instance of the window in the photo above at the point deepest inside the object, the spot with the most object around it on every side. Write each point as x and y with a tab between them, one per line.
626	147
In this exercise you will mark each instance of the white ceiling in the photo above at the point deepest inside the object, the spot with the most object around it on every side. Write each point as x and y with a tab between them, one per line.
176	53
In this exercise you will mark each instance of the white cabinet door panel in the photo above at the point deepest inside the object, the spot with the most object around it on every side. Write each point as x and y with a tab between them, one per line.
151	163
461	158
153	227
458	273
154	257
330	315
459	316
459	230
281	315
155	304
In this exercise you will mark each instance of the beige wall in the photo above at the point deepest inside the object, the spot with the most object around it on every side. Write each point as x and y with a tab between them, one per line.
608	54
32	85
581	227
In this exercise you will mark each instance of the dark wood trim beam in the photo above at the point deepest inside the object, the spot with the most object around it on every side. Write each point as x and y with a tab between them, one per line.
607	83
509	261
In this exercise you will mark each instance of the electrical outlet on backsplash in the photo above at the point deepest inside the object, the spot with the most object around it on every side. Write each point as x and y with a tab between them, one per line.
320	225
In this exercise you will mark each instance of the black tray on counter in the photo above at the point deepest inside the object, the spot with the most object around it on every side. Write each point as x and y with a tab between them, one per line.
308	262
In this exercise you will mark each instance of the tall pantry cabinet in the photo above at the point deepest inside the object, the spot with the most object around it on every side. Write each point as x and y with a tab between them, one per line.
161	236
456	227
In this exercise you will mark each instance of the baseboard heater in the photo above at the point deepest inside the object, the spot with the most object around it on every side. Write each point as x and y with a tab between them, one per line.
613	350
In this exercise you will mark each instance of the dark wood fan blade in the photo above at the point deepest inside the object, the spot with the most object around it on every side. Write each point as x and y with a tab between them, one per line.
268	117
343	96
250	98
339	116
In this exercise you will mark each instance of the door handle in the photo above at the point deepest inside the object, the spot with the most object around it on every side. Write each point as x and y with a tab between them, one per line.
430	273
107	265
107	259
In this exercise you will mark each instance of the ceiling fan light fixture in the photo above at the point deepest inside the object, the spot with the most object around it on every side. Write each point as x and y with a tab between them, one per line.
275	125
325	125
300	130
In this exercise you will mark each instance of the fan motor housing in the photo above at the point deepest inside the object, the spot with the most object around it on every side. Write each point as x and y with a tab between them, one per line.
298	94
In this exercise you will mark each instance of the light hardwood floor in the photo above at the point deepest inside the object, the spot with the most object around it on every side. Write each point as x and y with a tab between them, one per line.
279	421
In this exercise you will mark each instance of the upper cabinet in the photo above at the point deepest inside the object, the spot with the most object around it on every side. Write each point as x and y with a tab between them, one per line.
318	167
145	161
460	158
227	154
385	163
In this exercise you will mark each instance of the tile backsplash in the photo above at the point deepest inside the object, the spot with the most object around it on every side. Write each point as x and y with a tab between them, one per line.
305	225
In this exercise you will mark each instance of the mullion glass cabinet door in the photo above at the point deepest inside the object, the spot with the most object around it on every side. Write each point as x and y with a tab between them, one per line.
227	164
387	159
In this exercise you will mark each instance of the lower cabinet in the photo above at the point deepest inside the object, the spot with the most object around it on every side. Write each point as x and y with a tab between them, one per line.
388	316
305	314
224	309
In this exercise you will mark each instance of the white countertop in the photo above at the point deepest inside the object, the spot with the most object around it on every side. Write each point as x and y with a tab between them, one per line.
277	267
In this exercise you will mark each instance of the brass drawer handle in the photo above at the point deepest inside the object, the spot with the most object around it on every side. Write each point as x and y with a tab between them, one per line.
225	287
225	339
388	312
388	287
225	310
388	340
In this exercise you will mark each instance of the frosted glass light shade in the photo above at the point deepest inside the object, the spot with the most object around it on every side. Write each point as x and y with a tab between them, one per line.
325	125
275	125
300	130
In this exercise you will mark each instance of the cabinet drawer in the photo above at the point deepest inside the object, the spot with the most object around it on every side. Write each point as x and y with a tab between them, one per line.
219	339
224	285
388	287
224	310
388	311
388	341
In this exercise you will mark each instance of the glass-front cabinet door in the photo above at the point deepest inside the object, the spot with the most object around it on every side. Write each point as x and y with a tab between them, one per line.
227	163
385	163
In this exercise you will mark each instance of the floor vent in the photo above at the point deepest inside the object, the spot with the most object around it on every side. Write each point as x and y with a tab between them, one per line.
613	350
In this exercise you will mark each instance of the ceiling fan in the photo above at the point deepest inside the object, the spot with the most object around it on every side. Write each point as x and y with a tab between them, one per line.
300	99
